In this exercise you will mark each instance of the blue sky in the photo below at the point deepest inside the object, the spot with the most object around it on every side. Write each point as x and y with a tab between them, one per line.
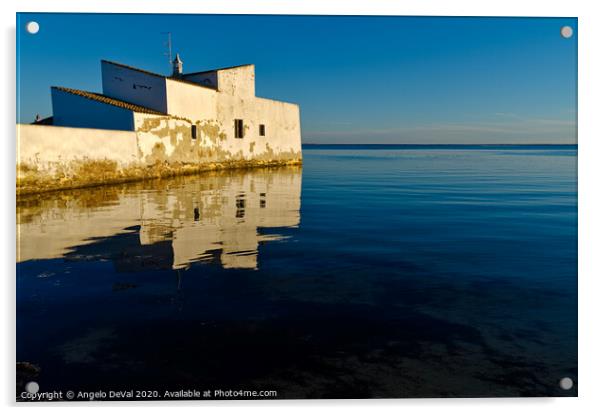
357	79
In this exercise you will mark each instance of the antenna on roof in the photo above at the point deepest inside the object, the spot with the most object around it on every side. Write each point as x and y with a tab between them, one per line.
167	44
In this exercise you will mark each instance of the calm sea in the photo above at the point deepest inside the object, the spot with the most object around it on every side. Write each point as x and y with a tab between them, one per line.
383	271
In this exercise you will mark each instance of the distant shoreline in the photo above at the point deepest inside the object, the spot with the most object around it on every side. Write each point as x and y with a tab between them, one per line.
442	146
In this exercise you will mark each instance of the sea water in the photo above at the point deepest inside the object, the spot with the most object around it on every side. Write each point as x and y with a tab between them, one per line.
372	271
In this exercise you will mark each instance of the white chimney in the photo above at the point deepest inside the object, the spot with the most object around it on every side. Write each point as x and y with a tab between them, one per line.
177	66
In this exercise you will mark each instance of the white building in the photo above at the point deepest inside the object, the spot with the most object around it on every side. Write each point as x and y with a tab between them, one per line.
202	117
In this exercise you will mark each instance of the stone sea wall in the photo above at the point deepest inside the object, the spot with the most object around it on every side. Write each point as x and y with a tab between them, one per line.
51	157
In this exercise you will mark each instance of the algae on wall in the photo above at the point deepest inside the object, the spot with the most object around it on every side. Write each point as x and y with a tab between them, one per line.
98	172
164	147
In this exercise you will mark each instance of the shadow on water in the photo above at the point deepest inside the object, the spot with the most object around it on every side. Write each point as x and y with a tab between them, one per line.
216	281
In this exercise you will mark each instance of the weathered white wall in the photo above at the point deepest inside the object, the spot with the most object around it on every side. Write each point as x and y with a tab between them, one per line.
162	138
46	147
193	102
166	139
134	86
239	81
281	120
72	110
214	113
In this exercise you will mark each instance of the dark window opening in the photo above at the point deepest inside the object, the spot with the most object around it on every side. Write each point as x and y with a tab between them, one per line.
239	131
262	130
193	132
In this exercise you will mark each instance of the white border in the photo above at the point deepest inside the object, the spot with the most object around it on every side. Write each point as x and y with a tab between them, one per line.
590	209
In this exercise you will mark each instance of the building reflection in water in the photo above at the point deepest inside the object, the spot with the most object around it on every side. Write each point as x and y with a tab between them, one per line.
163	224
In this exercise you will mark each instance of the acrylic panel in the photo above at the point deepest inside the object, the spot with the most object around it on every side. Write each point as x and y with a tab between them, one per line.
295	207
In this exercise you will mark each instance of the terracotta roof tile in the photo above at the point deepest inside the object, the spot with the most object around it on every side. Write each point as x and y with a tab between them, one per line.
109	101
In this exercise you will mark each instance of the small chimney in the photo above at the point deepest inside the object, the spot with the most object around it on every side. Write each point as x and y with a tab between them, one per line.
177	66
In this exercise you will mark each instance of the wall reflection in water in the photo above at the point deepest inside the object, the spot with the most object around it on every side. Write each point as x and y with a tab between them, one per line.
165	224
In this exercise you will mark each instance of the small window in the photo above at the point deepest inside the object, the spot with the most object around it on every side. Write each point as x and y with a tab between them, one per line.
262	130
239	131
193	132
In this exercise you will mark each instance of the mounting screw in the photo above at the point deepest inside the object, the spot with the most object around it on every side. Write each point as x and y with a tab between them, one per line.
566	383
566	32
32	27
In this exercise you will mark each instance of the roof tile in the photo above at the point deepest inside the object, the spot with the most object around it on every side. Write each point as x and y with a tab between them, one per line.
108	100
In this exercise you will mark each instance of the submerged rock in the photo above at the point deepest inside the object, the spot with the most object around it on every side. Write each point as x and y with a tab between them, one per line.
26	372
